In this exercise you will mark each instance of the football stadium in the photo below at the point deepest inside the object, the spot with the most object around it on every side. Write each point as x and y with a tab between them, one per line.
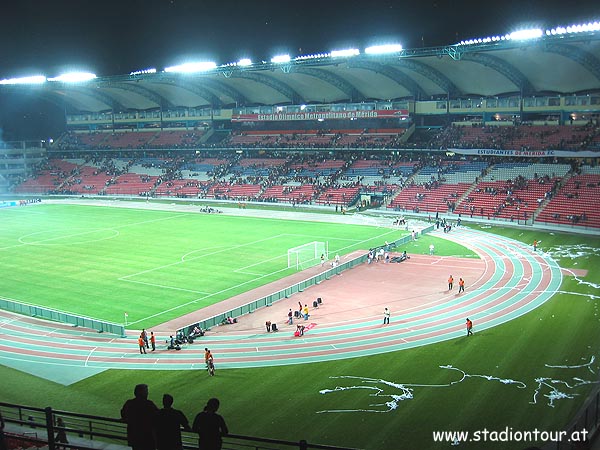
248	231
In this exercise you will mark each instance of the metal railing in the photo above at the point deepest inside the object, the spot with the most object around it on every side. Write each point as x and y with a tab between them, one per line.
36	427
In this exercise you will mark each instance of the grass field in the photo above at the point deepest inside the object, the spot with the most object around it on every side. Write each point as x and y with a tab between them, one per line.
154	265
86	252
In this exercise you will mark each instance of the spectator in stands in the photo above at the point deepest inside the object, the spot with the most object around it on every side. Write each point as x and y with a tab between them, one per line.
210	426
140	415
169	422
61	434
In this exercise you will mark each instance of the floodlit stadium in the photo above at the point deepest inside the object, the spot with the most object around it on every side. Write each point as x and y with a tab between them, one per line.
271	210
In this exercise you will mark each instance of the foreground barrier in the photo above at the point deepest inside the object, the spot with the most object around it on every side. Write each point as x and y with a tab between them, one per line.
29	427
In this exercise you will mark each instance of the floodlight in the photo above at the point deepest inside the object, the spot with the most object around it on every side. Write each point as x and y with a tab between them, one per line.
74	77
523	35
192	67
382	49
315	56
280	59
36	79
345	53
143	71
244	62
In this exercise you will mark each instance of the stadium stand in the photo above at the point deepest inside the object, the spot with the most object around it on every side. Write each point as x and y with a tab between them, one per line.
576	203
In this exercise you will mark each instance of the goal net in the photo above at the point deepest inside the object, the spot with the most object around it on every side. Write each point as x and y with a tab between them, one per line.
307	255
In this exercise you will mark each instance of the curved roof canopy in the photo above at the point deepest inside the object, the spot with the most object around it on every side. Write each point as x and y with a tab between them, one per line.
563	64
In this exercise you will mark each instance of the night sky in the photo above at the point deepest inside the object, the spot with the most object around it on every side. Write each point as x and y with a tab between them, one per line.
111	37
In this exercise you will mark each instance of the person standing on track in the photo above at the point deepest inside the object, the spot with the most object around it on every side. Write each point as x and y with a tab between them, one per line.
469	327
152	340
142	344
211	367
145	337
461	285
450	283
386	316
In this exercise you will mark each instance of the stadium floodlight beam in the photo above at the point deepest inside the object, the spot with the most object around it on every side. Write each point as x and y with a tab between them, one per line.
314	56
244	62
345	53
523	35
143	71
192	67
74	77
35	79
280	59
383	49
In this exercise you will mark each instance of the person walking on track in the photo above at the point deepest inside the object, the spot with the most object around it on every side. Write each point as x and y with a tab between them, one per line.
469	327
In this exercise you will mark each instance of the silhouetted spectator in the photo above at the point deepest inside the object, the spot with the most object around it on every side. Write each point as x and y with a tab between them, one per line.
169	422
210	427
2	442
61	434
140	415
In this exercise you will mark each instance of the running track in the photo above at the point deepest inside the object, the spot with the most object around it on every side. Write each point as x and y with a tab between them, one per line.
514	282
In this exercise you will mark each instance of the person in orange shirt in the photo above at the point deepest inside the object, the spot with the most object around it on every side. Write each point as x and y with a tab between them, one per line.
461	285
152	340
450	283
535	244
469	327
142	344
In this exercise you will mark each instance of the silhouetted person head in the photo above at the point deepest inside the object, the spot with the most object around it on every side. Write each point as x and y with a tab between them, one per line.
141	391
167	400
212	405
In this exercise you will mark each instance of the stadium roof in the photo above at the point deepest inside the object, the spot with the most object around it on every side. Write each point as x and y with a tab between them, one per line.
561	64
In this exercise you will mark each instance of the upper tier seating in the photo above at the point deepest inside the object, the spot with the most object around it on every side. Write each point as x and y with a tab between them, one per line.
522	137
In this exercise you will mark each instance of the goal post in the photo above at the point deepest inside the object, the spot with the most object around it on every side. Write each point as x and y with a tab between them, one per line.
307	255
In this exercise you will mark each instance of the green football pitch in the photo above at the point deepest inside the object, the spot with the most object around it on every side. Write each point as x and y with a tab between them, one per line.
156	265
153	265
